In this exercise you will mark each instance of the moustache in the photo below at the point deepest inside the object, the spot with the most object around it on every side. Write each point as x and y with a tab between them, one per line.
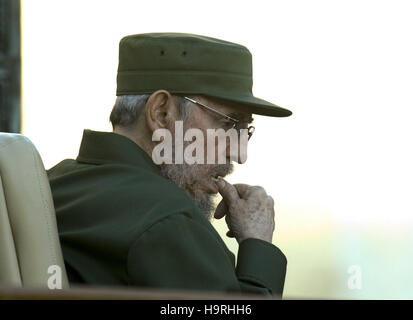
221	170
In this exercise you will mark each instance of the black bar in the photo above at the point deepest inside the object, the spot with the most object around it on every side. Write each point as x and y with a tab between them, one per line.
210	309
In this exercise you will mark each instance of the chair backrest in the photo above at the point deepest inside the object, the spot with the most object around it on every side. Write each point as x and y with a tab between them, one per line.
29	242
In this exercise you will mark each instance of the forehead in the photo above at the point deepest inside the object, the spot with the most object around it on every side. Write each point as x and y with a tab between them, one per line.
229	108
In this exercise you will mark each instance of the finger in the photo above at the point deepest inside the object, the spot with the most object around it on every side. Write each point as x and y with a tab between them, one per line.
227	191
230	234
243	189
221	210
259	190
228	220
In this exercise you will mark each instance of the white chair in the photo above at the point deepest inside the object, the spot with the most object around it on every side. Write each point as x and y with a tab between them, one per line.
29	242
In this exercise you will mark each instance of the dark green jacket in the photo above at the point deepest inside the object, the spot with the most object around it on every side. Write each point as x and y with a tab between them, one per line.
121	223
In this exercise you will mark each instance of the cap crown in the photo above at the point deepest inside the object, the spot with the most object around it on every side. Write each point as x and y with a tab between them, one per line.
182	63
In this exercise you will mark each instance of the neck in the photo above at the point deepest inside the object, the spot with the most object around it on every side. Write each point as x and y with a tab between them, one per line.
137	138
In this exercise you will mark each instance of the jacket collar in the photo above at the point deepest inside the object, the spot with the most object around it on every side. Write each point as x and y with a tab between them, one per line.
108	147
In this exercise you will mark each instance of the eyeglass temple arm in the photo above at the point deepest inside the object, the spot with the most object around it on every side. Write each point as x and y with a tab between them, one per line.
213	110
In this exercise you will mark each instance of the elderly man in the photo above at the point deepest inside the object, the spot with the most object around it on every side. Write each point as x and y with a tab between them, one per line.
125	220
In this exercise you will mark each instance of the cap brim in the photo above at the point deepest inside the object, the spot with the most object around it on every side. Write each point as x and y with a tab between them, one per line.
257	106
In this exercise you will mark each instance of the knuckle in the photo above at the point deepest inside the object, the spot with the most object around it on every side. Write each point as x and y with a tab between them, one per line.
259	190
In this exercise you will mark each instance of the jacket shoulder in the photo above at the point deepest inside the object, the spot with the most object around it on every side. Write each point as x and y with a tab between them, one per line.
121	193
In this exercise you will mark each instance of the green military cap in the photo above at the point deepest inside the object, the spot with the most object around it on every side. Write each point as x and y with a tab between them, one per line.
190	64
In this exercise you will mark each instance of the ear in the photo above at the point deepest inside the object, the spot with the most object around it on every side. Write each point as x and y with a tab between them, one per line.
161	111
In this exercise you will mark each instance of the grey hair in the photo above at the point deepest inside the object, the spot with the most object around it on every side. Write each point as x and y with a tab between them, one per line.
128	108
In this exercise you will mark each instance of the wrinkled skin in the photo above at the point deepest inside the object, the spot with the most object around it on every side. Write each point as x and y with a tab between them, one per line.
248	211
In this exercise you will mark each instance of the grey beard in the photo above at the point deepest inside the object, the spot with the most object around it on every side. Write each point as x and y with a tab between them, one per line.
184	176
181	175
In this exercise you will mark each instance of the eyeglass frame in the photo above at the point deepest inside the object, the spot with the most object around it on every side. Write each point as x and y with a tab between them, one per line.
250	129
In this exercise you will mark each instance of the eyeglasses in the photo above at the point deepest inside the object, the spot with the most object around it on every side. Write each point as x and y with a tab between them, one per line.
237	124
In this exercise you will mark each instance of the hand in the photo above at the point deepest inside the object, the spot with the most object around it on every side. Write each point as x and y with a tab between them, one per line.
248	211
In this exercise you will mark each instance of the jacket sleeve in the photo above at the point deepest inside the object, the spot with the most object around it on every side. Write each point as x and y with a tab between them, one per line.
180	252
